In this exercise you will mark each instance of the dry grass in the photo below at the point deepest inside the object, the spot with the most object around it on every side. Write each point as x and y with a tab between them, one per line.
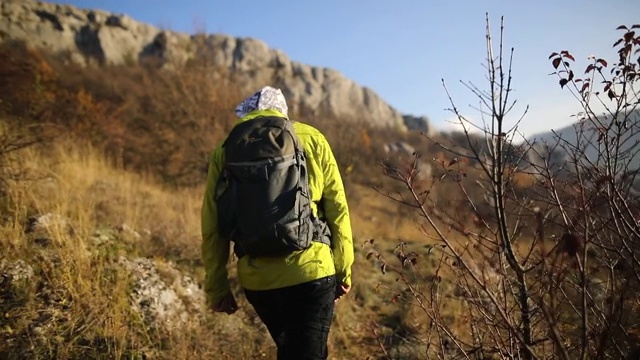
122	120
79	299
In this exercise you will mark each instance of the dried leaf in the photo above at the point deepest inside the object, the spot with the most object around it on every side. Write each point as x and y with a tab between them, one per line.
629	36
369	255
584	87
617	42
589	68
570	75
622	27
636	26
383	268
453	161
611	94
563	82
553	54
556	62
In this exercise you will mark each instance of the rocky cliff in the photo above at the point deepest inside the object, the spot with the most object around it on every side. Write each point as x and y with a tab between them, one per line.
97	37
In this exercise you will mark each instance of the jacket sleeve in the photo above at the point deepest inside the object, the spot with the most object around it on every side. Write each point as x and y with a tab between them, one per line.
215	250
336	212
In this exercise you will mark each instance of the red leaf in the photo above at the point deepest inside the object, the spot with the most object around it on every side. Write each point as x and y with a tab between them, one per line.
570	75
617	42
602	61
622	27
629	35
563	82
608	86
589	68
636	26
611	94
556	62
569	56
584	87
553	54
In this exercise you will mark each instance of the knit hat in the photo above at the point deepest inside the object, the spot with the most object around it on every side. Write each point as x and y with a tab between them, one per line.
267	98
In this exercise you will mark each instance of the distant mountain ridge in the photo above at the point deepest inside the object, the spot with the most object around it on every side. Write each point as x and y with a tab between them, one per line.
100	37
551	146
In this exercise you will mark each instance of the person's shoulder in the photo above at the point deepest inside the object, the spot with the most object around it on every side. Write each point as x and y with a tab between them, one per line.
307	131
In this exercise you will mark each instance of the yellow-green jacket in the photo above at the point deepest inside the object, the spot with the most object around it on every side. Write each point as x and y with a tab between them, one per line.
320	260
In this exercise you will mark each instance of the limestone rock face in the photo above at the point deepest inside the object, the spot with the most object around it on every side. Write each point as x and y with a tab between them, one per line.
418	123
95	37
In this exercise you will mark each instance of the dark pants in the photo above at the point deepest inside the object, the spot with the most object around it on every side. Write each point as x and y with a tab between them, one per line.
297	317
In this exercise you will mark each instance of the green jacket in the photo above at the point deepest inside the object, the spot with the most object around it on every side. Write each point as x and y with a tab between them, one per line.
320	260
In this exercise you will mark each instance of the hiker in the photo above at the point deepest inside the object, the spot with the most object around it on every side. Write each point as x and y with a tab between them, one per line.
275	191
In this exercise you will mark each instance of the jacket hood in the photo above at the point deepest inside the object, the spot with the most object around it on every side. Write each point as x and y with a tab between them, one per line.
267	98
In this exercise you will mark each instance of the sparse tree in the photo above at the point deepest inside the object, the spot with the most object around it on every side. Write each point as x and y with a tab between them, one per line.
548	271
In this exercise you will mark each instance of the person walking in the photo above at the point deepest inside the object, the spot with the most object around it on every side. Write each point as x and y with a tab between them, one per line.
274	190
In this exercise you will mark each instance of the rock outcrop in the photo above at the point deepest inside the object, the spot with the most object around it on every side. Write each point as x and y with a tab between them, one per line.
102	38
418	123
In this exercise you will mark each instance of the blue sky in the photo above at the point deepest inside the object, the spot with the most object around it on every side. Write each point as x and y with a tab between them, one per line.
403	48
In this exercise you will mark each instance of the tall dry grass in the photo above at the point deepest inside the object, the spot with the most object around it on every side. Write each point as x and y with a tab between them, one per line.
75	302
135	155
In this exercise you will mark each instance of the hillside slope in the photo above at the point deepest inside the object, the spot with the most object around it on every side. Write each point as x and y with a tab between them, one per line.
90	36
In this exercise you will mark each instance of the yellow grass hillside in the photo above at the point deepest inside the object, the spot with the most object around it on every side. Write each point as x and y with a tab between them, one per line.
99	262
102	252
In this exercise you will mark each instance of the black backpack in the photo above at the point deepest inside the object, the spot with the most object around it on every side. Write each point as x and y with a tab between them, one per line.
262	193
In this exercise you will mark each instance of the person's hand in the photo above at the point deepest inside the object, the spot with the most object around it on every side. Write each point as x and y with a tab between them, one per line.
227	305
341	290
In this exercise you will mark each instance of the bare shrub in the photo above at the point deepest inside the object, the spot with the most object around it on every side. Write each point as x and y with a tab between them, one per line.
542	265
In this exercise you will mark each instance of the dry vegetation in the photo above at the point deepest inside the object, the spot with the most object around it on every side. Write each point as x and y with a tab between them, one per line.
122	151
552	270
99	150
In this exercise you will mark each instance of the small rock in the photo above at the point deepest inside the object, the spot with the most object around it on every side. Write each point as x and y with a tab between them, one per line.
162	303
127	231
16	270
46	222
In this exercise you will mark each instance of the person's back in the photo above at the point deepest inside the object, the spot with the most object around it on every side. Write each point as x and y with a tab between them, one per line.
293	294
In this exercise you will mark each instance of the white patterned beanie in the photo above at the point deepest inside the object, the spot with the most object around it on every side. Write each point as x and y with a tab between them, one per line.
267	98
